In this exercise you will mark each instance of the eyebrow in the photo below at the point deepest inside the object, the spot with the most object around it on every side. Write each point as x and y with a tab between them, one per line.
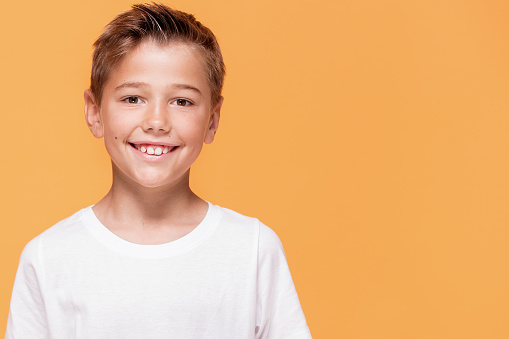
185	86
131	85
144	84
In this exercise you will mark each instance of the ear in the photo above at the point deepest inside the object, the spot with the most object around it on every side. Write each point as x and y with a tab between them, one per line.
214	122
92	115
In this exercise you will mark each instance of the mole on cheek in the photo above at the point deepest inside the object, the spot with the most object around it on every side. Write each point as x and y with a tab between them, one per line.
115	138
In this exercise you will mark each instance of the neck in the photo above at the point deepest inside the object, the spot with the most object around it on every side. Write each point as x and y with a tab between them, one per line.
128	204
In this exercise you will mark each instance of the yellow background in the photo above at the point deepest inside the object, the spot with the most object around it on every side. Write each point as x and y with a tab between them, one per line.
370	135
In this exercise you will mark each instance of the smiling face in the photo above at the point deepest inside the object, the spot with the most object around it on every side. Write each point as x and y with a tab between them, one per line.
155	114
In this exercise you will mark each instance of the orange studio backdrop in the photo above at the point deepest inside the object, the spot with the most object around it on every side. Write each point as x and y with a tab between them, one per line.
372	136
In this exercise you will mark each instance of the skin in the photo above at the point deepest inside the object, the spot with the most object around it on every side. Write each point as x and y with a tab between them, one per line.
158	95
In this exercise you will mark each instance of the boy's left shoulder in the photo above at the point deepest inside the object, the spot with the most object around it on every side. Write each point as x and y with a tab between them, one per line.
239	223
231	216
237	220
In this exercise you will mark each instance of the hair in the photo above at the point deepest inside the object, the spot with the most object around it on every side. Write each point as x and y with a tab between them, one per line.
163	25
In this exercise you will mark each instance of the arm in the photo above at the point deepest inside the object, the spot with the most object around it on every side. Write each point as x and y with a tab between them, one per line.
27	314
279	313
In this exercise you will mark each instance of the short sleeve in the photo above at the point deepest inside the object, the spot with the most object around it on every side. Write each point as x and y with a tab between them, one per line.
27	316
279	313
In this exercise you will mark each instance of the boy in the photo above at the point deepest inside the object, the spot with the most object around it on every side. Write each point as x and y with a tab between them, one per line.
152	259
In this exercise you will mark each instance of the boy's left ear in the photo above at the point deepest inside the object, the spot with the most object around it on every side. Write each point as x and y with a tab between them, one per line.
214	122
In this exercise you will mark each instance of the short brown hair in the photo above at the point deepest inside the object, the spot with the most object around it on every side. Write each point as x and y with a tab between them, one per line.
163	25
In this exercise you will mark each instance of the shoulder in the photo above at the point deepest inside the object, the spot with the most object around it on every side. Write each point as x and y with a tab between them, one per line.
62	234
233	223
228	216
66	229
267	239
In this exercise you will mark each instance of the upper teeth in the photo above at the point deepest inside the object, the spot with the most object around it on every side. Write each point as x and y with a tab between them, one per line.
157	150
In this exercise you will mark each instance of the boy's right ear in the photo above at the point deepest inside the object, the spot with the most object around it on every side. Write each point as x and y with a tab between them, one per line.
92	115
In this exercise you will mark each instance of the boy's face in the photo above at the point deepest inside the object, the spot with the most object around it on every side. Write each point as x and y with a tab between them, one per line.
155	114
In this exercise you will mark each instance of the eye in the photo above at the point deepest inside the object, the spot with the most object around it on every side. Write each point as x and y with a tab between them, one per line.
182	102
132	100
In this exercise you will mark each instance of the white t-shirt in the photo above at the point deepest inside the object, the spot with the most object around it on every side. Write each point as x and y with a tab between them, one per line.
227	279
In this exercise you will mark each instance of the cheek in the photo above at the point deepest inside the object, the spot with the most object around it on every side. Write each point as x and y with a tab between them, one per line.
192	128
117	128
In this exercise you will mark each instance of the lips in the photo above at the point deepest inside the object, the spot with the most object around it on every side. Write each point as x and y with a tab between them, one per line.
153	149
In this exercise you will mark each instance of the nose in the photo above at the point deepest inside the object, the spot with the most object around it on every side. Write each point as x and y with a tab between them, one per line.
157	119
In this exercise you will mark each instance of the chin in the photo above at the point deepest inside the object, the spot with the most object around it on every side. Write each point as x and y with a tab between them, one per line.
158	181
154	183
149	179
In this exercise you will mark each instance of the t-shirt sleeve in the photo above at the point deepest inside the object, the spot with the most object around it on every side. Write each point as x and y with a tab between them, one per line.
27	316
279	313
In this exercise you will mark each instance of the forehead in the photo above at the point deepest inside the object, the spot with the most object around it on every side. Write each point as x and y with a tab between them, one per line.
158	64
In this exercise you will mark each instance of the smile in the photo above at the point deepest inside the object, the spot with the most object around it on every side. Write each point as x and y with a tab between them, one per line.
153	149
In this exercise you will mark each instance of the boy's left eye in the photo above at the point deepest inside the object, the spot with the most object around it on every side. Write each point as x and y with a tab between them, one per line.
182	102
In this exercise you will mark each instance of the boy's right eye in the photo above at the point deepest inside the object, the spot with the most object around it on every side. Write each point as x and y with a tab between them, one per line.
132	100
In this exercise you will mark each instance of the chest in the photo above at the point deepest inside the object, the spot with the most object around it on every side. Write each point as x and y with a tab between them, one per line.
192	292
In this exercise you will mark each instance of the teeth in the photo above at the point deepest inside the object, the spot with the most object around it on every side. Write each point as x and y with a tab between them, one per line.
154	150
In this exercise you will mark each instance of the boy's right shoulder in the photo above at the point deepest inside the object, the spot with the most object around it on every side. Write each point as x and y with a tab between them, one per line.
66	227
64	233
